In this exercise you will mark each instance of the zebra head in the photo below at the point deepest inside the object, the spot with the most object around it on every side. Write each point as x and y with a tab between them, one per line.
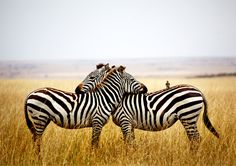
131	85
92	79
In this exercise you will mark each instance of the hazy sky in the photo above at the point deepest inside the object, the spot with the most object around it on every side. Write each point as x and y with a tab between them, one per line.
110	29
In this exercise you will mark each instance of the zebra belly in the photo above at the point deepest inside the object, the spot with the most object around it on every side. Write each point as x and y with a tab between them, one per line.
80	121
82	125
152	123
166	125
78	125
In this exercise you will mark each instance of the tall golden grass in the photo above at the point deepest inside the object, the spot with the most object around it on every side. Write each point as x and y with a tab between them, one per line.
72	147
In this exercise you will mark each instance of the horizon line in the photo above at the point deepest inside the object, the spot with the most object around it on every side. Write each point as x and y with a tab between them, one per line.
115	58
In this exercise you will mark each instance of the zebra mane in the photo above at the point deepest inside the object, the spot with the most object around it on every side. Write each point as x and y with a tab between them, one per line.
109	73
101	84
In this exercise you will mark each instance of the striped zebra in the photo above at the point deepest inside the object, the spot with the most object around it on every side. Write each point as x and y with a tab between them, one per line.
39	121
160	110
72	111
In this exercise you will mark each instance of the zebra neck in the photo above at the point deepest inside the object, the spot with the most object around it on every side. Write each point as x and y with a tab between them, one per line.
110	96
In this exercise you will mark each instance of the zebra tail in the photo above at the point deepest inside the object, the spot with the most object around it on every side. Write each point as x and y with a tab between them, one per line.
207	121
28	121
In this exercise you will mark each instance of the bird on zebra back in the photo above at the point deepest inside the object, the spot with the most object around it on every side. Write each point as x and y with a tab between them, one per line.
161	109
72	111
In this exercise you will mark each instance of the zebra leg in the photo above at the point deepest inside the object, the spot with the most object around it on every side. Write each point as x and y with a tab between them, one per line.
192	133
97	129
37	136
37	142
37	125
132	134
128	132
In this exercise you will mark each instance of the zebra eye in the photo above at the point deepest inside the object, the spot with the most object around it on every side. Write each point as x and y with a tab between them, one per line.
92	78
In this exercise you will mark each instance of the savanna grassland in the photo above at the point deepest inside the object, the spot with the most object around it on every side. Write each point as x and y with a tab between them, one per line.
72	147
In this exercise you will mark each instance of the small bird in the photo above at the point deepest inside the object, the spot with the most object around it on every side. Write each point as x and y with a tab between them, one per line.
167	85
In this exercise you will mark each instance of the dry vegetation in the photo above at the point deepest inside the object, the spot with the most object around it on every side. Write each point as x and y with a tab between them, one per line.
72	147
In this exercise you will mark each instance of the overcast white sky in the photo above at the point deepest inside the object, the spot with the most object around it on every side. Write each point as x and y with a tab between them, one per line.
31	29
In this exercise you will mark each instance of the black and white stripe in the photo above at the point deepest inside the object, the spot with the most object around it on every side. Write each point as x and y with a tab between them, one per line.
160	110
70	110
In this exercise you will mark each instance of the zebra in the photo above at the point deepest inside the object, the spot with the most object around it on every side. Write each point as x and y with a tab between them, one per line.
161	109
37	129
72	111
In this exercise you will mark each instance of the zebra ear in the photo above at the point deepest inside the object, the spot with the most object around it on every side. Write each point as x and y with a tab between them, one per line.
121	69
107	66
100	65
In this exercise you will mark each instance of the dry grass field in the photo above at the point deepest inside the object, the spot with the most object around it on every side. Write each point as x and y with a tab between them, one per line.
72	147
